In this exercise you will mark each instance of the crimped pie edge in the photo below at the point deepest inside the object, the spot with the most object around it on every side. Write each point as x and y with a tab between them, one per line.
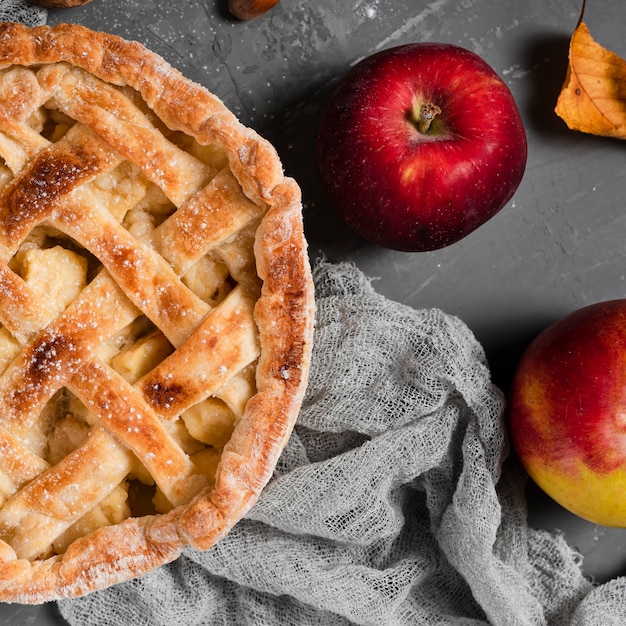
117	553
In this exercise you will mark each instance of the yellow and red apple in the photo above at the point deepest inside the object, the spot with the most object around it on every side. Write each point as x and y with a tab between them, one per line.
419	145
567	412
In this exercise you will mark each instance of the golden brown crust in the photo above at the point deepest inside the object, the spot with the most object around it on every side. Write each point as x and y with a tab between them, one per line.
53	183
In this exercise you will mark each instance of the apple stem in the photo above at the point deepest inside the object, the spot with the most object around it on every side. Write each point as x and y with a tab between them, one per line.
426	115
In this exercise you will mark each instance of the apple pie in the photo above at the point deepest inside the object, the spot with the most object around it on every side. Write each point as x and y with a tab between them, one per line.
156	311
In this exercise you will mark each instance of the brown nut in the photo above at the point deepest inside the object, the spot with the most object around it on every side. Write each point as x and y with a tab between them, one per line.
61	4
249	9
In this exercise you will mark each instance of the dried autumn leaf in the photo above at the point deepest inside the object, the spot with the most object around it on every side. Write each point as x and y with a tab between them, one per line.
593	97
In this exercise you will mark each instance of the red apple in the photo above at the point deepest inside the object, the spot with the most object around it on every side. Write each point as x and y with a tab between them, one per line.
419	145
567	412
250	9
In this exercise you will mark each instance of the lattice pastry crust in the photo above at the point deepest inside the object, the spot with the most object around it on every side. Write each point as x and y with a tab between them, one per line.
156	310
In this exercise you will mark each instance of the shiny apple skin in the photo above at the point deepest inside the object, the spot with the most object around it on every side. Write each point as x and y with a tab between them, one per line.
412	191
567	412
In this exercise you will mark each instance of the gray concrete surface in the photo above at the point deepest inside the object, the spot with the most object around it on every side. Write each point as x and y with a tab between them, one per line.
558	245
